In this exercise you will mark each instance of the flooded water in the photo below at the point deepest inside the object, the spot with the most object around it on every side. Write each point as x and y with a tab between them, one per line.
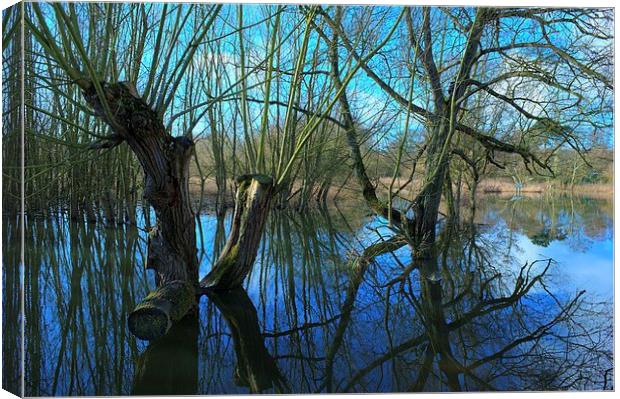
520	298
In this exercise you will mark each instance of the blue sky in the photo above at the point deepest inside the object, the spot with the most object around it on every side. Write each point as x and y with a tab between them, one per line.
365	96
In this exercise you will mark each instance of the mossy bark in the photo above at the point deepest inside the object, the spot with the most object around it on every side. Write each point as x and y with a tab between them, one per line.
154	316
253	199
172	242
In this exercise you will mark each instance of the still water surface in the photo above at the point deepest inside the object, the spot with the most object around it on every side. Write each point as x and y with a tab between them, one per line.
502	308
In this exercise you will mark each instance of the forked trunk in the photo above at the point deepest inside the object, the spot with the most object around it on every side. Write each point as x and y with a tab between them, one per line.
253	199
172	242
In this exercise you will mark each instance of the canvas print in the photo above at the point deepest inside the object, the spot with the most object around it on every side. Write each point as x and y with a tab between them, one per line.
219	198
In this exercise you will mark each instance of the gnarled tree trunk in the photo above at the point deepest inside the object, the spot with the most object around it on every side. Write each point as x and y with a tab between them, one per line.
172	242
165	162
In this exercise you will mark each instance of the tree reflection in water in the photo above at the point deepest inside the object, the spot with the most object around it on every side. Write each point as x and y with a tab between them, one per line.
336	303
255	369
169	365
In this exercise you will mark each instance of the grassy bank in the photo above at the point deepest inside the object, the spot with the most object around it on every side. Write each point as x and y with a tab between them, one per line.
502	187
507	187
499	186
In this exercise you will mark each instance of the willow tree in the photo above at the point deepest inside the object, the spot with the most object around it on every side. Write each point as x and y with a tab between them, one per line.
102	49
544	69
137	120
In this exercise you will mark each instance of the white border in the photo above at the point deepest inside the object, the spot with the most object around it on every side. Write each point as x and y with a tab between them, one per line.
522	3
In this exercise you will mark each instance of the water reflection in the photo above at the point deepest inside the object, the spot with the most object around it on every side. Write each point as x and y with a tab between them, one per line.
255	368
335	303
169	365
11	306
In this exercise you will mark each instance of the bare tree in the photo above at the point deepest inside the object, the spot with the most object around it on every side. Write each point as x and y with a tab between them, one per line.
494	59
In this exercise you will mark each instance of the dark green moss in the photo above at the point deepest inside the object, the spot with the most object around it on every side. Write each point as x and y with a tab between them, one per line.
169	303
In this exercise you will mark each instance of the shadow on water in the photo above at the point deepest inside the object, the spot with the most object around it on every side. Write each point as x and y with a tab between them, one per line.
335	303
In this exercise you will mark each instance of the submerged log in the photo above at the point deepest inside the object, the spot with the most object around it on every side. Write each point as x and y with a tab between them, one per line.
252	203
154	316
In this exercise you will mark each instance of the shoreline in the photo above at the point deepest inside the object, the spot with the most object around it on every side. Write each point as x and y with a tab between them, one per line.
489	187
502	187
